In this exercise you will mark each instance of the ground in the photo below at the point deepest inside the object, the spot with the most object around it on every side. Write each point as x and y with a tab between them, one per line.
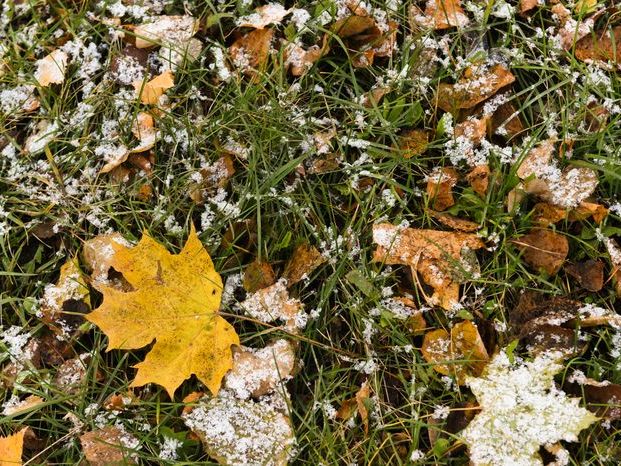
261	159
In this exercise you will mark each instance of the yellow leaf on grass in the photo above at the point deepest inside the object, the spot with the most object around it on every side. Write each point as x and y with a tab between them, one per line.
152	90
11	449
174	302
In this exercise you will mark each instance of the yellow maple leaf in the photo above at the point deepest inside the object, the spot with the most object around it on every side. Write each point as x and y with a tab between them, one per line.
174	302
11	449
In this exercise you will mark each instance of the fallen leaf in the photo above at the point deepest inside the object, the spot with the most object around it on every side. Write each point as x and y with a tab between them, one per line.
109	446
167	30
11	449
257	372
144	131
272	13
453	222
374	96
415	321
51	69
547	214
299	60
354	25
469	134
602	398
461	352
151	91
174	301
256	433
119	402
586	210
259	274
72	375
526	6
506	121
64	304
364	40
356	405
213	176
478	179
537	160
602	46
589	274
251	51
565	189
440	14
521	399
44	134
21	406
274	303
440	188
434	254
304	259
473	88
98	254
615	258
114	158
543	250
457	420
412	142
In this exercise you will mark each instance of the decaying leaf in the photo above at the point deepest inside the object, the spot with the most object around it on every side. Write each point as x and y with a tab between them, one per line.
602	398
440	188
461	352
454	222
440	14
602	46
520	399
259	274
433	254
506	121
356	405
526	6
590	274
543	250
144	131
413	142
174	301
151	91
213	176
458	418
615	258
167	30
548	214
415	320
473	88
257	372
13	408
11	449
585	7
98	253
64	304
478	179
51	69
256	433
44	134
108	446
251	51
272	13
537	160
299	60
304	259
469	134
72	375
273	303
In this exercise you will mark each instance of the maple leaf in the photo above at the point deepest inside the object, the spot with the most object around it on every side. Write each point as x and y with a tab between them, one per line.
11	449
174	302
520	411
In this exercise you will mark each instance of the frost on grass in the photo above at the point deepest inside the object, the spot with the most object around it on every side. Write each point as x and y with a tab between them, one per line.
521	411
241	432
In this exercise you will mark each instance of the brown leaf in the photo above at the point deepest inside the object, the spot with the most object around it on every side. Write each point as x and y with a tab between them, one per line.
478	179
412	142
507	117
457	420
109	446
543	250
600	46
25	405
454	222
462	352
298	60
304	259
526	6
602	398
51	69
537	160
440	14
169	30
590	274
120	402
144	131
272	13
273	303
552	338
361	395
615	257
152	90
473	88
416	322
586	210
259	274
251	51
353	26
439	188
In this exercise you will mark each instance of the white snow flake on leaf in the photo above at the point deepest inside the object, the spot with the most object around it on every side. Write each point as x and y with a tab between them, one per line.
521	411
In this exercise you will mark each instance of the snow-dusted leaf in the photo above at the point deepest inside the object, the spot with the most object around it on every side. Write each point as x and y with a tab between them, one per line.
145	132
51	69
110	445
440	188
440	14
168	30
520	412
272	13
274	304
151	91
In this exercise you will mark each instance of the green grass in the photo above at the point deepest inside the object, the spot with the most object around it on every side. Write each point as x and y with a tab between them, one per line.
279	209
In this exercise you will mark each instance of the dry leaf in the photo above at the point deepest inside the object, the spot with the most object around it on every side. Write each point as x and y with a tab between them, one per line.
110	446
259	274
462	352
440	14
174	301
98	253
72	375
25	405
588	209
257	372
298	60
473	88
144	131
346	410
151	91
454	222
304	259
585	7
256	433
547	214
167	30
537	160
473	131
272	13
364	39
412	142
543	250
526	6
11	449
433	254
589	274
615	257
600	46
118	402
51	69
273	303
478	179
602	398
439	188
251	51
354	25
43	135
64	304
506	121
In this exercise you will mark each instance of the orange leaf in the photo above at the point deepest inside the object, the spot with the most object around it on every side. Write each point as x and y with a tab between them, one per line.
151	92
11	449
